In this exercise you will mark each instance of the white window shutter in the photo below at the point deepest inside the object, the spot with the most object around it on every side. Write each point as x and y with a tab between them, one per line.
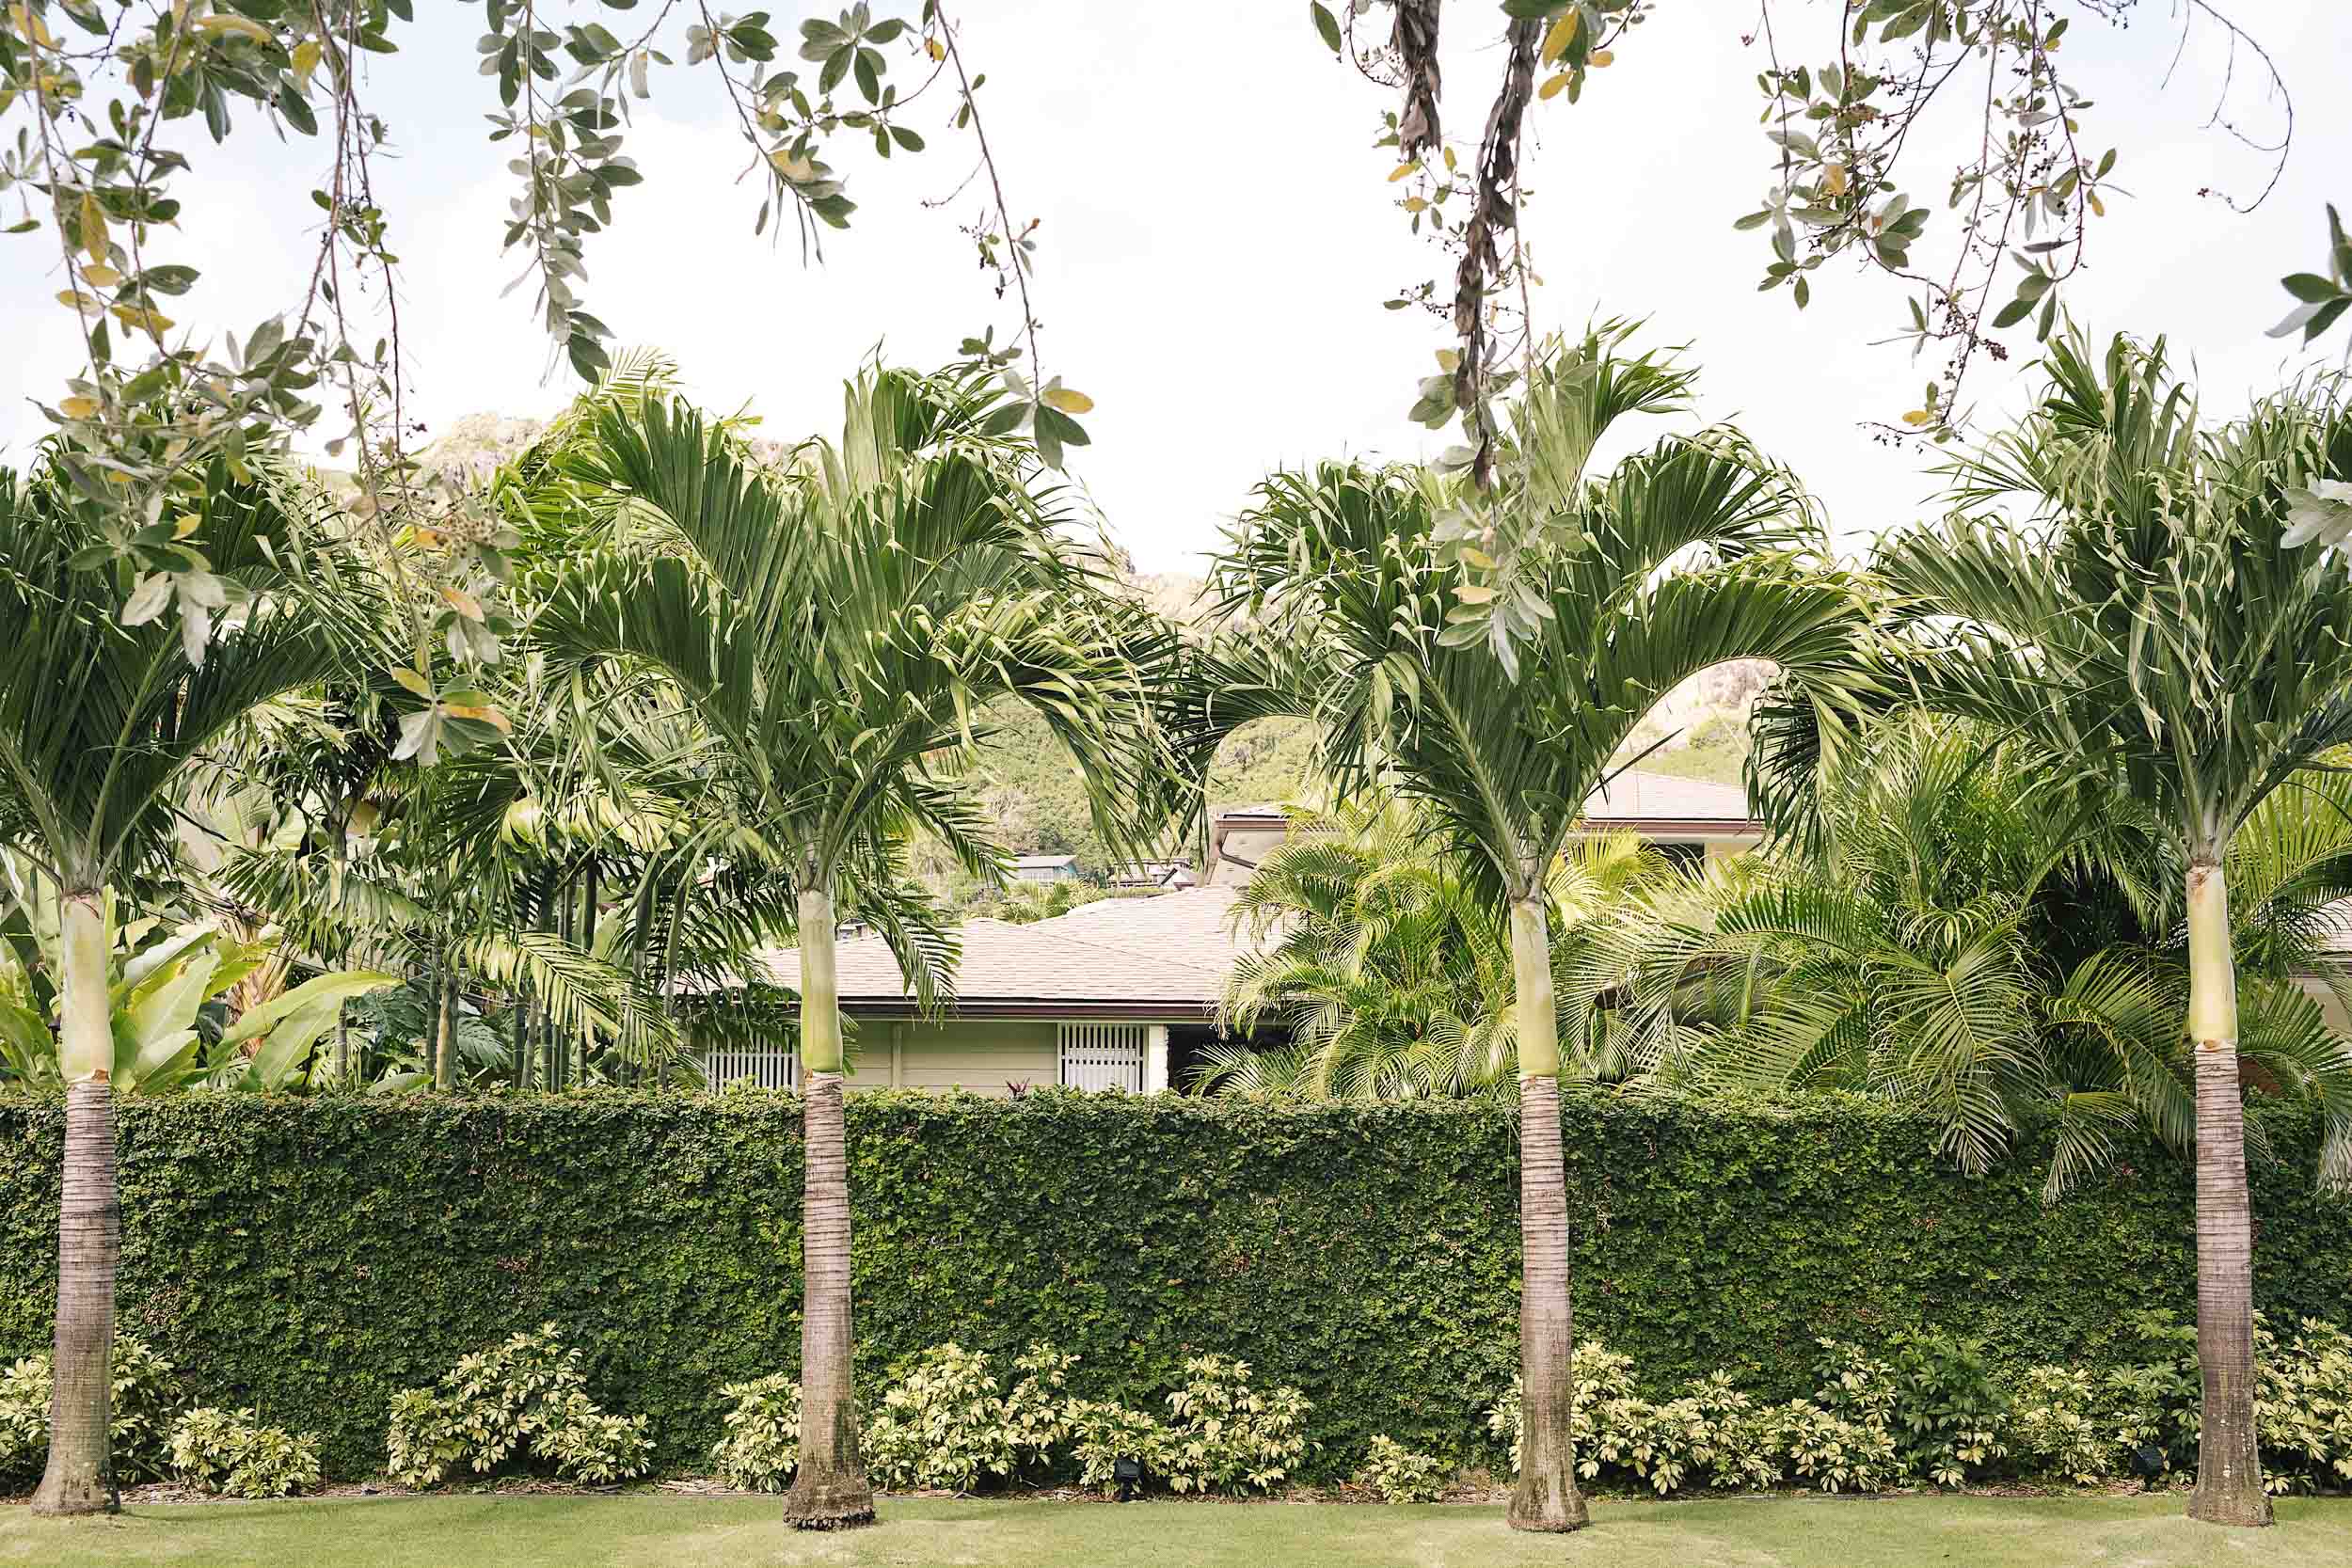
1102	1057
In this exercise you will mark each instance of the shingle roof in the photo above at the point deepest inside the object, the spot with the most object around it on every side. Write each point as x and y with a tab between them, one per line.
1167	953
1637	796
1634	797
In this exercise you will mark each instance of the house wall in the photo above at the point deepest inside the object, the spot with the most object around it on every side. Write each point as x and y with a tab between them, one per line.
2329	1006
1241	852
980	1054
1713	847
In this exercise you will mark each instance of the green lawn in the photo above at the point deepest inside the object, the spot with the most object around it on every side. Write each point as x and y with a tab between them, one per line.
653	1531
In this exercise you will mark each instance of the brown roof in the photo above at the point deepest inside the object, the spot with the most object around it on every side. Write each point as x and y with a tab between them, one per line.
1637	797
1166	956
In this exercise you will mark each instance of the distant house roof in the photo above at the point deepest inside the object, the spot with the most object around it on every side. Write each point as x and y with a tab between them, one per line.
1656	803
1043	862
1164	957
1635	799
1165	874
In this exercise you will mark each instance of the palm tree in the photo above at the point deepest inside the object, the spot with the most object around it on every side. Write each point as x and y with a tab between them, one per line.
836	622
1392	971
2113	584
580	873
1962	937
1499	738
98	721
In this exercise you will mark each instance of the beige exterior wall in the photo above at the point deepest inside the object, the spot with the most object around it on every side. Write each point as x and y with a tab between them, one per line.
982	1055
1242	851
2329	1006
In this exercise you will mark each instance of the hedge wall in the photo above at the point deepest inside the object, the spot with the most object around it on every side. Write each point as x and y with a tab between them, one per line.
309	1257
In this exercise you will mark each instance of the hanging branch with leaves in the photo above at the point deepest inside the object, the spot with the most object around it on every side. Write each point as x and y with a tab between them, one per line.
1843	159
2025	199
1046	409
105	99
2320	297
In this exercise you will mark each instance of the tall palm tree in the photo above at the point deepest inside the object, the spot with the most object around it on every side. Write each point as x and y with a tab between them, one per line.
836	622
97	722
2113	582
1498	740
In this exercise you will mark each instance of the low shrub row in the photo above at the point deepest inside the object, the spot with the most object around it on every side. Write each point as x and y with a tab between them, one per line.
949	1424
315	1257
227	1452
1931	1410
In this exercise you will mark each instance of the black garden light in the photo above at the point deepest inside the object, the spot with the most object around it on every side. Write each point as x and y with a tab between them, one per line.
1127	1474
2148	1464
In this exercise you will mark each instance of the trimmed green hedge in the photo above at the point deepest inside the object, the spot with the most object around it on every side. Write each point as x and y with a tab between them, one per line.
309	1256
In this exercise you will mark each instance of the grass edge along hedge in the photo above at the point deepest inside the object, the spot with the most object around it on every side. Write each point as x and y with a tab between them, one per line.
307	1258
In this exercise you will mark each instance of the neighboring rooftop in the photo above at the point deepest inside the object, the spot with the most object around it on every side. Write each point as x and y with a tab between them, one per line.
1167	956
1156	873
1634	799
1161	956
1637	799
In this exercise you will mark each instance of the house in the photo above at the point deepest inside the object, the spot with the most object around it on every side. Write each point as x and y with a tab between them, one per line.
1167	875
1119	994
1687	818
1045	868
1123	993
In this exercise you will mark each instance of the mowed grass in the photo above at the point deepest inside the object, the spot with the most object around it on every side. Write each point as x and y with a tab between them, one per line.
657	1531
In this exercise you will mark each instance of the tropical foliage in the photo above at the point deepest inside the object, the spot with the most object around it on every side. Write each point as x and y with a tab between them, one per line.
525	793
169	998
1389	971
1964	935
2114	582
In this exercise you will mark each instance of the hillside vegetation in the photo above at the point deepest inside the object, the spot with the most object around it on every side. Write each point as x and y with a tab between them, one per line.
1030	786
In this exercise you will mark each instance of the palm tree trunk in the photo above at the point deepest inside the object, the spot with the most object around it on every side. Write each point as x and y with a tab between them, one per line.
445	1036
587	944
1546	1497
338	850
830	1492
545	1040
560	1046
521	1022
80	1474
2228	1461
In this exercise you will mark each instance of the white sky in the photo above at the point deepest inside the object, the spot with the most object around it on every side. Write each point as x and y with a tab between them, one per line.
1217	238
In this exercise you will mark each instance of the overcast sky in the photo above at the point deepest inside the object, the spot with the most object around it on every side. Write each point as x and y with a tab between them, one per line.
1217	237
